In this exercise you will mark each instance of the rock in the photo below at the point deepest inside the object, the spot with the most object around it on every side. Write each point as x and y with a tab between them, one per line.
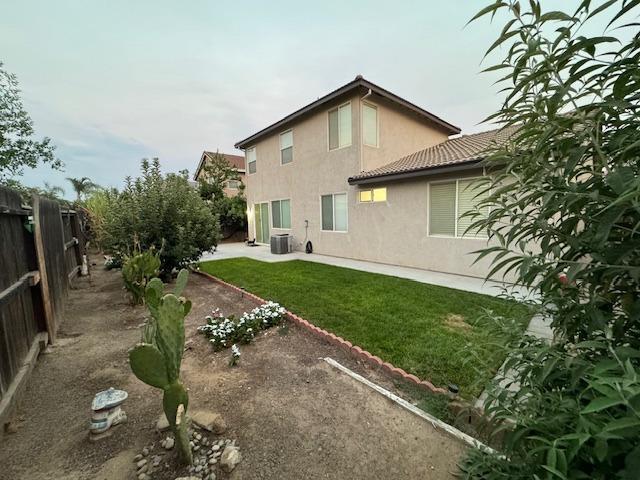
215	448
145	451
143	469
141	463
137	458
187	478
143	476
168	443
212	461
210	421
162	424
230	458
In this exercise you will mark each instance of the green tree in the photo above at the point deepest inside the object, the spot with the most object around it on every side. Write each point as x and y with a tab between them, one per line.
17	148
565	220
165	212
231	211
82	186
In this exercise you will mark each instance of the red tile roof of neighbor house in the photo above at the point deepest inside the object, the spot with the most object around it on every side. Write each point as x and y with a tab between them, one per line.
459	151
236	161
358	84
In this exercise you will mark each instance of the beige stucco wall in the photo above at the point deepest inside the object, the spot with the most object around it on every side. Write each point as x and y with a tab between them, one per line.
399	134
393	232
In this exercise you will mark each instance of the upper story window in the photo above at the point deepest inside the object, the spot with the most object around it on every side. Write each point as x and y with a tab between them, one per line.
370	125
251	160
233	183
340	126
374	195
334	212
286	147
448	202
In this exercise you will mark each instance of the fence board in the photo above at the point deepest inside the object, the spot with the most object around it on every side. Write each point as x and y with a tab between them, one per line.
19	323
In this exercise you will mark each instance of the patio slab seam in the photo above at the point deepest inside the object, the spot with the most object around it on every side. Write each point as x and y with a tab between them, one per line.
355	350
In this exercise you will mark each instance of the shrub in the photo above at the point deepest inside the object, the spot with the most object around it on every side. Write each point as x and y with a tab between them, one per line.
568	182
137	270
160	211
96	205
223	331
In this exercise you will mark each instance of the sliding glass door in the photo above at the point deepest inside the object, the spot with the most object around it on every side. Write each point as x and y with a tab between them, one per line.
261	222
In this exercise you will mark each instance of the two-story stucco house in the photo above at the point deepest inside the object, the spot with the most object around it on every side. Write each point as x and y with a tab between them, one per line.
365	174
232	187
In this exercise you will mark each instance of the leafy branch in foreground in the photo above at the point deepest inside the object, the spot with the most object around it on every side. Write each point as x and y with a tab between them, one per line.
565	221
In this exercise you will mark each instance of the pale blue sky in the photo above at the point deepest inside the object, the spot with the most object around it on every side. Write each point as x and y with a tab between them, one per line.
113	81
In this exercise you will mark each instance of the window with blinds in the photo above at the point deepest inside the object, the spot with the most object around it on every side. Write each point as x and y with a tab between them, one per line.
334	212
251	160
281	213
340	127
448	203
369	125
286	147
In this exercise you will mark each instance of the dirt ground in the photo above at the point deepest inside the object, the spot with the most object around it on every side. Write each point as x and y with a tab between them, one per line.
293	415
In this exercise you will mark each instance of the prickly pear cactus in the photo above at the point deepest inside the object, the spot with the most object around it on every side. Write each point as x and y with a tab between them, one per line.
156	361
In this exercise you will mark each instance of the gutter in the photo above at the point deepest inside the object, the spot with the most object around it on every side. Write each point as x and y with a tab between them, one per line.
424	172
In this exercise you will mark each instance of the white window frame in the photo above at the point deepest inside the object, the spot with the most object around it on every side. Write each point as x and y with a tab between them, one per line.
329	149
280	140
271	214
372	197
333	203
249	172
375	107
457	216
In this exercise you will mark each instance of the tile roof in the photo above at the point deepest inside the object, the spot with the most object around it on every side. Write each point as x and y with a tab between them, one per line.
467	148
236	161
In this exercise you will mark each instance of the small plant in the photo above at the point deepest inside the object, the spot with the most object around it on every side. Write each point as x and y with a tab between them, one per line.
224	331
157	359
235	355
137	270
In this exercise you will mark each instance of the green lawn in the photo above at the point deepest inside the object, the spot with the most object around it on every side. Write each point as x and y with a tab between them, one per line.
424	329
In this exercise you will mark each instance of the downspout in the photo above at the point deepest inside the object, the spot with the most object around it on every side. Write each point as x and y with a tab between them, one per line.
368	94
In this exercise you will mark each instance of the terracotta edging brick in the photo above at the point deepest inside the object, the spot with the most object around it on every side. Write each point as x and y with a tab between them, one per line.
340	342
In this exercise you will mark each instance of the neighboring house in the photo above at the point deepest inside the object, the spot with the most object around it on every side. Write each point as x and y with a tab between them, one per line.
365	174
236	161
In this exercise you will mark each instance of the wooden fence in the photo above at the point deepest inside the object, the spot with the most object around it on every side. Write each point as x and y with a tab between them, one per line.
41	251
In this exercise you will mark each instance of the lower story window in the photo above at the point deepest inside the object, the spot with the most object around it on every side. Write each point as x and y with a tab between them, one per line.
448	203
334	212
375	195
281	213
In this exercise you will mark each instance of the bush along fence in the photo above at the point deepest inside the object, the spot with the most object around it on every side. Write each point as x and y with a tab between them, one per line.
42	248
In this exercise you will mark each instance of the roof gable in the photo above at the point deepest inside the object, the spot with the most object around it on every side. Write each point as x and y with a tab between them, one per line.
236	161
359	83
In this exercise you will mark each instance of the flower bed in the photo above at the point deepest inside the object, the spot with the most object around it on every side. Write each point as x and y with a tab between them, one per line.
223	331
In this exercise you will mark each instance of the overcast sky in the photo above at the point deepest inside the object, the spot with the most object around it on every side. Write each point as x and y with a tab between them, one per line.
114	81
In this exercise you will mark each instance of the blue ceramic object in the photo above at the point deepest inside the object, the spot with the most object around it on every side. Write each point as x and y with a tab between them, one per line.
108	399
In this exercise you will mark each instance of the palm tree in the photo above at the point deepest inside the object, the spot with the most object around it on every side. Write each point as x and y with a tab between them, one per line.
52	191
82	186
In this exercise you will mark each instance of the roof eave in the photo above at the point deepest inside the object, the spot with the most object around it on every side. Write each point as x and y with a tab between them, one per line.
422	172
358	82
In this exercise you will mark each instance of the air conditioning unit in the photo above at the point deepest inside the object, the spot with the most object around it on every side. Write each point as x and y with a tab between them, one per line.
281	243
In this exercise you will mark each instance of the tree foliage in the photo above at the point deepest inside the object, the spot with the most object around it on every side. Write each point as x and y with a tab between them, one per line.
82	186
231	211
17	148
162	211
565	220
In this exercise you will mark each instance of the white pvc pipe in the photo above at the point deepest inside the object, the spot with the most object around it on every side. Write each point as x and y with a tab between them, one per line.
436	423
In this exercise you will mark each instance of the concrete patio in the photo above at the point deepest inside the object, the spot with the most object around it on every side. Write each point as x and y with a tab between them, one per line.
459	282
